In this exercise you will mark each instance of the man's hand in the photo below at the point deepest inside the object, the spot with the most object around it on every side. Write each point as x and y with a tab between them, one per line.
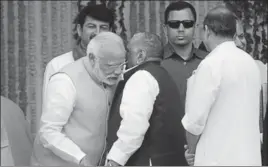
189	157
84	162
111	163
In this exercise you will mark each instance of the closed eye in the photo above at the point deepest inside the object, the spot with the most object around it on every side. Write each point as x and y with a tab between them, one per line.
90	26
105	27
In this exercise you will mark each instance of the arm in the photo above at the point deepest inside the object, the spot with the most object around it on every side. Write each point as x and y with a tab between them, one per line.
201	93
58	107
192	141
49	71
136	109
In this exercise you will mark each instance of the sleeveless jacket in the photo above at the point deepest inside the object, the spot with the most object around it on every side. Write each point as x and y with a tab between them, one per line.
87	125
164	140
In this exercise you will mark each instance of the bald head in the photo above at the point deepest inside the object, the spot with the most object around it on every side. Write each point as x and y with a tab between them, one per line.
221	21
148	42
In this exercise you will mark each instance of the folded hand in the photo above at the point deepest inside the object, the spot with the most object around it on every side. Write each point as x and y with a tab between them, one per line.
189	157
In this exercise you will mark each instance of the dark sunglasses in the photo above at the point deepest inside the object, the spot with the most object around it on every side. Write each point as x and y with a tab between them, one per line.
185	23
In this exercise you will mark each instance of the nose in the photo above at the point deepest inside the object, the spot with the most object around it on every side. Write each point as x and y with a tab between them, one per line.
181	28
97	30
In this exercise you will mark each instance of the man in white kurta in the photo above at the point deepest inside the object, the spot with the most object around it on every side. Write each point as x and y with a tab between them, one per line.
74	121
222	101
90	21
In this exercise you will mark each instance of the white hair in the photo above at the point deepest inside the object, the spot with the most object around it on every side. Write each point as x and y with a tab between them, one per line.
106	43
150	42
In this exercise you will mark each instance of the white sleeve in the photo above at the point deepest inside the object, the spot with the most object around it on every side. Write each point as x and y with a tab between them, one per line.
49	71
58	107
136	107
202	89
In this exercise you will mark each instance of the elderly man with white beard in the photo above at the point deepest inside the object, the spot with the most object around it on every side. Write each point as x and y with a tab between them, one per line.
74	120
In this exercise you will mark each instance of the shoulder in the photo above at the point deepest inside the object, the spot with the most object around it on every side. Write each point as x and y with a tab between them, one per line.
142	77
8	108
74	65
142	82
61	80
167	51
61	60
59	77
261	64
7	102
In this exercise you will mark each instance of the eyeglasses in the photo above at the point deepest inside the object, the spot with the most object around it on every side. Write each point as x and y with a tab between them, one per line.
111	68
185	23
118	66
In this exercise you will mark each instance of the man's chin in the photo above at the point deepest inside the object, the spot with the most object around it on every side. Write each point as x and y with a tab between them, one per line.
181	42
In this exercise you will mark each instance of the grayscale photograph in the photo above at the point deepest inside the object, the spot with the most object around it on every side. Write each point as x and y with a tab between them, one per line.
134	83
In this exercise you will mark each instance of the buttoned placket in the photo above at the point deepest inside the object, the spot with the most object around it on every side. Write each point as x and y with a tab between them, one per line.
106	90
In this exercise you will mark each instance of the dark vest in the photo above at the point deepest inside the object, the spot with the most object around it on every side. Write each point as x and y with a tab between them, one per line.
164	141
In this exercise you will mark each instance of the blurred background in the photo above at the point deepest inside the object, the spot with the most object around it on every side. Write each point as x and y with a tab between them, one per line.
33	32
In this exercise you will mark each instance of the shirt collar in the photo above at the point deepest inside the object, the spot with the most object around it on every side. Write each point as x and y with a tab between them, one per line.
168	52
227	45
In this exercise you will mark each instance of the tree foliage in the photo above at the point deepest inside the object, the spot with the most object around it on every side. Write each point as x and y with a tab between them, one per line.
254	17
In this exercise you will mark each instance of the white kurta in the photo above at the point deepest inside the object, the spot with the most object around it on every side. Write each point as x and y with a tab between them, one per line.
222	105
54	66
58	107
136	109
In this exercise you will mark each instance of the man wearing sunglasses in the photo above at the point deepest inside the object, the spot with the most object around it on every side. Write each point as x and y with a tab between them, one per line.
144	127
181	57
74	121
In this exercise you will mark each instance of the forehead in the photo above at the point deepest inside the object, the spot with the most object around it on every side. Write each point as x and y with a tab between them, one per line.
184	14
113	54
113	58
91	20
